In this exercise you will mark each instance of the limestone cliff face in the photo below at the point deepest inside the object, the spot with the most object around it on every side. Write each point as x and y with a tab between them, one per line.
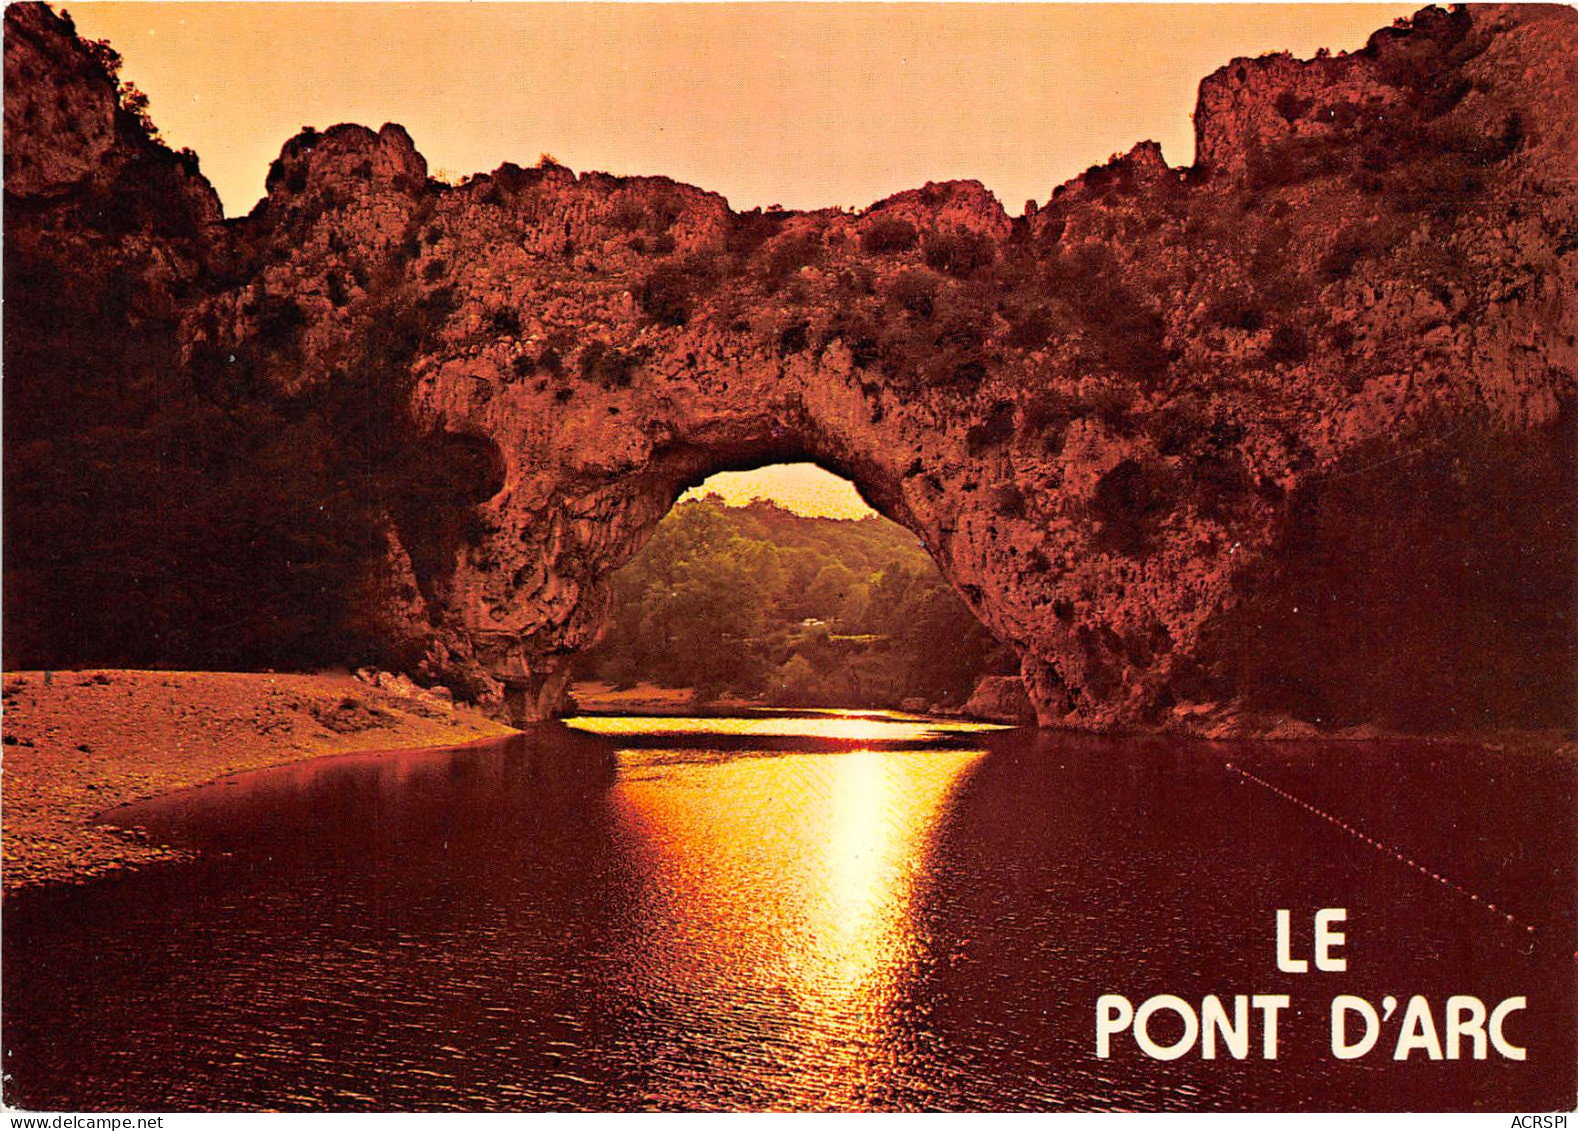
1288	434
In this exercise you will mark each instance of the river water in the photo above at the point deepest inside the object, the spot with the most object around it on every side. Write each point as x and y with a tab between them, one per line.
813	910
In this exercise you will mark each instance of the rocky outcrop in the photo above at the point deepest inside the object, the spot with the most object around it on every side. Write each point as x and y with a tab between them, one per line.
1288	433
1000	699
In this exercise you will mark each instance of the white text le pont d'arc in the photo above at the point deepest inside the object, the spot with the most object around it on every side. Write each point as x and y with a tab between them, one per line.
1468	1027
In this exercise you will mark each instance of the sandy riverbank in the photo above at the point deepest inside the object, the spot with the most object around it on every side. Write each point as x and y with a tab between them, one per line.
79	743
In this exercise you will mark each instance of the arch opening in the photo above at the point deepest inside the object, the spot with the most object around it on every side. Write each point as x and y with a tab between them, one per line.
778	584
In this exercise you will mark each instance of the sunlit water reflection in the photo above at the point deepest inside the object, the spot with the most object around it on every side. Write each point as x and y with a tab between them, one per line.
781	894
817	910
855	727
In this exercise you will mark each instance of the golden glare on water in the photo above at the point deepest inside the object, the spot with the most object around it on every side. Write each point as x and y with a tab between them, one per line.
853	726
784	890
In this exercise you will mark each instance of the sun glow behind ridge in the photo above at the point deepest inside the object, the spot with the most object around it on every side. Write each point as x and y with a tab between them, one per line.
806	105
803	488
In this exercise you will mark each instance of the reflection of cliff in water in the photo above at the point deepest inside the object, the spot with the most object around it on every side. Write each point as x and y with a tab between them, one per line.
546	780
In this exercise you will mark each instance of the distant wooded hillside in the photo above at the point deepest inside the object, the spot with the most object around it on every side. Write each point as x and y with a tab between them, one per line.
759	601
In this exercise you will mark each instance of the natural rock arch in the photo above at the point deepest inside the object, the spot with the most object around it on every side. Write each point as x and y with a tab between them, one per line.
618	518
1211	447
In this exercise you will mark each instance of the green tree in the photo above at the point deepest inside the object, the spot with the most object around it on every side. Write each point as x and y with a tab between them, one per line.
719	599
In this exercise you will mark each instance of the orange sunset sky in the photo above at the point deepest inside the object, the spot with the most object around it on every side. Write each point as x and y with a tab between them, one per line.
800	104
